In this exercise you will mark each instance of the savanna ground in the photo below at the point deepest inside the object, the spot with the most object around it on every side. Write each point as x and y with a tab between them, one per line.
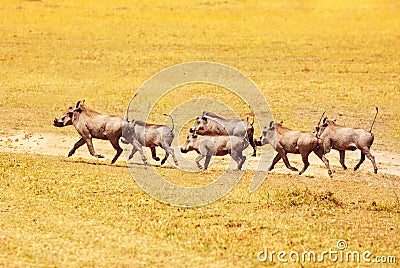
305	56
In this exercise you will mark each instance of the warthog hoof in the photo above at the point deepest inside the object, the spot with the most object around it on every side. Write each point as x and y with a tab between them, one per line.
100	156
294	169
157	159
70	153
270	168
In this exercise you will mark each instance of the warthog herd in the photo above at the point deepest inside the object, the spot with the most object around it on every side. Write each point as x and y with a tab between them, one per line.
214	135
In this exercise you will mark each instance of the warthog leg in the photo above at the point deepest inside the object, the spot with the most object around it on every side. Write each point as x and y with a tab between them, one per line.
153	154
169	151
367	153
286	161
274	161
198	158
282	154
207	162
320	154
342	157
137	147
91	148
304	157
116	146
78	144
254	147
372	159
360	162
239	159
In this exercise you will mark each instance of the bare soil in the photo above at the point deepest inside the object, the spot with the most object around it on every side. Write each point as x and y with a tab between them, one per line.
52	144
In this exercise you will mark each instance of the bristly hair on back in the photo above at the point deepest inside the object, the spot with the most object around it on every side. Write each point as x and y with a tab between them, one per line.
280	128
213	115
88	111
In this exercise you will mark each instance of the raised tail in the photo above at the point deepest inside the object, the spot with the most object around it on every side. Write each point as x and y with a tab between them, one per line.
127	112
373	122
172	119
252	113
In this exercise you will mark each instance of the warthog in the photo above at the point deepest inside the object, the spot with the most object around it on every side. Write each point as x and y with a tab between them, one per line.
212	124
285	140
91	124
139	134
333	136
207	146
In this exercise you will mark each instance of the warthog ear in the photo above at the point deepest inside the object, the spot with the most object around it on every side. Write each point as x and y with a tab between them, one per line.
271	123
280	122
78	106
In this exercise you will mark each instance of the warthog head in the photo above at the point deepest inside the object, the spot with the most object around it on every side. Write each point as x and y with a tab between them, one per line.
198	124
323	125
267	136
128	130
65	119
190	144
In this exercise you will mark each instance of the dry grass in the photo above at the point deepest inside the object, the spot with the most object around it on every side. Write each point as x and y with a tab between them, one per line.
306	57
72	214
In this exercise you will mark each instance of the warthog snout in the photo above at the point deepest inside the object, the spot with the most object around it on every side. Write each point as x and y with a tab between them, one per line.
59	122
188	144
65	119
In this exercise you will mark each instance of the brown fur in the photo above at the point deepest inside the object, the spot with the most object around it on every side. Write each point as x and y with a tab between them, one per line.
284	141
333	136
212	124
91	124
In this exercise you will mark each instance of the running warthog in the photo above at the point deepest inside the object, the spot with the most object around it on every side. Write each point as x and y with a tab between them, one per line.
333	136
285	140
139	134
215	125
207	146
91	124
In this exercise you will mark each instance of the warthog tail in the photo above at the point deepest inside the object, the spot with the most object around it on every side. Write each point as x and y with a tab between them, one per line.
172	119
373	122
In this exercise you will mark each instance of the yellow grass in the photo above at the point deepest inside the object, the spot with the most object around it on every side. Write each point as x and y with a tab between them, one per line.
77	213
305	56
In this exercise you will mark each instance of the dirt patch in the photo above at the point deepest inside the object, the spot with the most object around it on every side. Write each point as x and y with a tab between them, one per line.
52	144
